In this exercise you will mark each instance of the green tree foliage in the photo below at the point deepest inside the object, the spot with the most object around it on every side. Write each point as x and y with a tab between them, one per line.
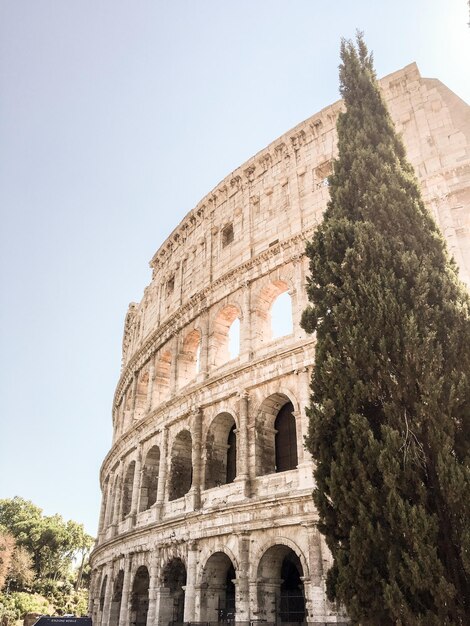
390	403
52	542
40	554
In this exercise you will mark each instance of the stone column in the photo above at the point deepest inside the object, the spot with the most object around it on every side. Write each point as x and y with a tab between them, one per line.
126	592
314	592
164	607
104	503
136	484
243	459
242	605
301	419
109	572
190	591
148	408
174	366
195	491
153	585
92	594
134	396
299	296
162	474
205	330
117	495
108	520
245	330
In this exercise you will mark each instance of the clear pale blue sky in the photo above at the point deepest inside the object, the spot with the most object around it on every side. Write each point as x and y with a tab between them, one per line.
115	119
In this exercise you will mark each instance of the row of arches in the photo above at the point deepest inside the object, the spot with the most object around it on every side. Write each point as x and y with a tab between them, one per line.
205	347
167	477
213	595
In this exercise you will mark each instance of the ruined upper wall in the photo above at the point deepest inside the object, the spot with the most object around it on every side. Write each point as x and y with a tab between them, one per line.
281	192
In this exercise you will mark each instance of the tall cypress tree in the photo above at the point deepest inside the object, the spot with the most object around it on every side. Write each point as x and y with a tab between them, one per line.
390	403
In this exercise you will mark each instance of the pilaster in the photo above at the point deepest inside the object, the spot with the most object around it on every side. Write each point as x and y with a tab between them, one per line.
126	592
243	460
190	591
162	474
195	491
136	483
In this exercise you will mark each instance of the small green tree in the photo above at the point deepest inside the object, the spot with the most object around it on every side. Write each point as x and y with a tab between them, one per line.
390	405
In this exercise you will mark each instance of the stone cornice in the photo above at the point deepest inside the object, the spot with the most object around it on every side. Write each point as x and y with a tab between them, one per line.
177	523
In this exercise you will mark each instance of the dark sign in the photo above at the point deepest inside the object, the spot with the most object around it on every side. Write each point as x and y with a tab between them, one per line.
52	621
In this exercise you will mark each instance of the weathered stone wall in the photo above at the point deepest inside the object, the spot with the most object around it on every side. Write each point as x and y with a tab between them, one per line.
179	538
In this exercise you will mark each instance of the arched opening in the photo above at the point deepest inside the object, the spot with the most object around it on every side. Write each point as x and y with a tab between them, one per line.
141	394
128	403
234	339
149	486
281	596
181	473
275	436
231	472
189	358
292	598
281	316
221	452
102	598
218	589
126	498
225	338
174	581
140	597
285	439
116	599
162	377
273	312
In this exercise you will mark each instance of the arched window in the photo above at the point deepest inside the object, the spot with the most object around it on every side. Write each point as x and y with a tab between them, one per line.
218	597
285	439
281	316
189	359
231	456
174	580
181	475
103	593
234	339
221	452
141	394
225	342
127	490
283	601
140	597
149	488
272	312
116	599
162	377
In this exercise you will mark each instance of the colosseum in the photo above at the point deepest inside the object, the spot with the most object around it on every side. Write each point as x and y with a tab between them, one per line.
207	513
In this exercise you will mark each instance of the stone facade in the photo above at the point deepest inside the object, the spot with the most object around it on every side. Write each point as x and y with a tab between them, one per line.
207	514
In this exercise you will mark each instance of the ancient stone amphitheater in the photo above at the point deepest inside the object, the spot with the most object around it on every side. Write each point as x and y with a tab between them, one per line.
207	513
